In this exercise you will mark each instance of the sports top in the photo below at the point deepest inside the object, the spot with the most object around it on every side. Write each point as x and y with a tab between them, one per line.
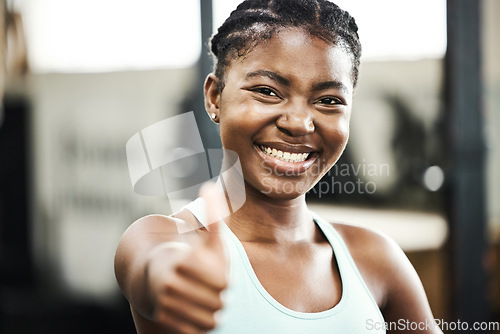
249	308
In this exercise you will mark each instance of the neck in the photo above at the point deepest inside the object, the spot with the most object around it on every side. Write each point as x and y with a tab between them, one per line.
262	219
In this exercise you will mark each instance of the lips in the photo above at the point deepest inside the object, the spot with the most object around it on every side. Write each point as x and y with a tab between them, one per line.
284	155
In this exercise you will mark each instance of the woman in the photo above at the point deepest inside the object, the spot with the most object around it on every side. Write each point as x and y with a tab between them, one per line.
281	92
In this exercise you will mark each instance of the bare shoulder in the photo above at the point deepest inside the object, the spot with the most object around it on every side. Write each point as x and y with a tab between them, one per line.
375	253
160	228
388	273
377	257
151	223
369	243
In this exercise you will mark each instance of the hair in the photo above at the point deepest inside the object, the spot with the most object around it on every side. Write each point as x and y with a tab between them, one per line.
254	21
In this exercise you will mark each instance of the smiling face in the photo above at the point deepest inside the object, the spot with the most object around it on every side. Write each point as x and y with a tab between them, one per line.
285	111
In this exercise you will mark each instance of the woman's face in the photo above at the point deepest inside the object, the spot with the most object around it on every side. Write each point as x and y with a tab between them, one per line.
285	111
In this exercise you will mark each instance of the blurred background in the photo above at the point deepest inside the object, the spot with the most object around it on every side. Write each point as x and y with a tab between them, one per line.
82	77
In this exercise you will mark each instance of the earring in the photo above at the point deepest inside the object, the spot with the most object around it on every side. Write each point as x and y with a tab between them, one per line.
214	116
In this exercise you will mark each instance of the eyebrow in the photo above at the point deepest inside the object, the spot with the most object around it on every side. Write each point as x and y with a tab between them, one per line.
271	75
285	82
329	85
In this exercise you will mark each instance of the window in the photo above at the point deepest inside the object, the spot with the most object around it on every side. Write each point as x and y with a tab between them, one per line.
111	35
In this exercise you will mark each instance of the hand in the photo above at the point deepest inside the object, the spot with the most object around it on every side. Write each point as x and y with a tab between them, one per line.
187	293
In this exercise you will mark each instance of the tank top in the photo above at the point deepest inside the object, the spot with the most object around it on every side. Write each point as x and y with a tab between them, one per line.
249	308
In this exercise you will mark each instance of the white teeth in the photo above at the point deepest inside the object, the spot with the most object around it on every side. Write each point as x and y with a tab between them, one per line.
284	156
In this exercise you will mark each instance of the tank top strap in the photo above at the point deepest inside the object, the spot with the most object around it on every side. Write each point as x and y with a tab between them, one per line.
348	269
197	209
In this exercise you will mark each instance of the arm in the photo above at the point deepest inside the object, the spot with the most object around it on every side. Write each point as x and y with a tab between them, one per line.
405	297
391	278
173	282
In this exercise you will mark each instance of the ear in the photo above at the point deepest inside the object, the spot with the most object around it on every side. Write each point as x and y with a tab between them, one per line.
212	97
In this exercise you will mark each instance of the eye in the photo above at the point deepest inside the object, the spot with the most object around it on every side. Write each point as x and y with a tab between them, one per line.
330	101
265	91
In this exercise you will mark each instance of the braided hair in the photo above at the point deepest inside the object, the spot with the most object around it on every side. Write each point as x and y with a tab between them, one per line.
254	21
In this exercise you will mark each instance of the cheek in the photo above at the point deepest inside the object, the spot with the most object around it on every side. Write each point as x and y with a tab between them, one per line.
338	131
241	118
230	119
345	130
235	127
337	138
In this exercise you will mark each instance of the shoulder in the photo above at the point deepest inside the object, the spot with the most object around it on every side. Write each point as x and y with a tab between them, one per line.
377	257
149	231
151	222
387	272
150	227
156	226
373	250
369	243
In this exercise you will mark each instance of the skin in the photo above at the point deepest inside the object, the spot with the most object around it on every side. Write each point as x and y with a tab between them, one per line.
293	93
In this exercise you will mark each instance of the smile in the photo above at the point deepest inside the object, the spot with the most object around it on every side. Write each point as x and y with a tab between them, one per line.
284	156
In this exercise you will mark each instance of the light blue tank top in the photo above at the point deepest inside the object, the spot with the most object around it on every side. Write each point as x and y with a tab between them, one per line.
249	308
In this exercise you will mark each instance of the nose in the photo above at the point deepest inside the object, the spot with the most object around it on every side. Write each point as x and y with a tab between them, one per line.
296	121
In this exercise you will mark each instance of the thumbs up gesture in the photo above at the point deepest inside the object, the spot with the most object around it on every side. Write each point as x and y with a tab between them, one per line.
187	291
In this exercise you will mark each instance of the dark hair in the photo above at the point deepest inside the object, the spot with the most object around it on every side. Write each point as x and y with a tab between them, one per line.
254	21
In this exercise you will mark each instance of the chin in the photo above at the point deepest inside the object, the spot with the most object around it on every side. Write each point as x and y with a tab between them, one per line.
284	190
282	196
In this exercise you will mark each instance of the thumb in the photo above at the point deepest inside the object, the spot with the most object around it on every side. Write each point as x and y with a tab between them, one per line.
215	202
214	238
216	205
